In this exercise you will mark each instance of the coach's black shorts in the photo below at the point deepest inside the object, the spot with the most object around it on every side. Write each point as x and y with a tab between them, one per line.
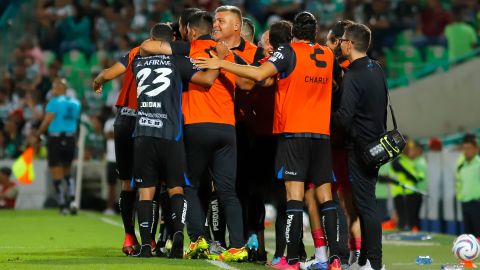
159	160
61	150
300	159
123	128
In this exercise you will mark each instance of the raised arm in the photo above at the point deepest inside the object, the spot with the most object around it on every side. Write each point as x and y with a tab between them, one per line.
108	74
156	47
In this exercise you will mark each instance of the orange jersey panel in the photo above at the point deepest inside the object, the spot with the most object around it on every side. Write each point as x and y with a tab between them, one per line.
303	98
128	92
214	105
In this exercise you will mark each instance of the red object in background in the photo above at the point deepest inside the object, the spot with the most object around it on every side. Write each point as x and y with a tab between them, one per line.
435	144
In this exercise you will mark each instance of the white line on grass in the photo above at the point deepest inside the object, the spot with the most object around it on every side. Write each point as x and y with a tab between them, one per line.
222	265
410	243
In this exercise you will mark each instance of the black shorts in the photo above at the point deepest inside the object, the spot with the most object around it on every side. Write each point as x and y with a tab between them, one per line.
304	159
61	150
123	135
159	160
112	173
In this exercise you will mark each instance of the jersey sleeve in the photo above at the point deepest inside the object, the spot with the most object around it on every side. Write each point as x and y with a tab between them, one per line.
258	56
50	108
180	48
282	58
186	68
124	60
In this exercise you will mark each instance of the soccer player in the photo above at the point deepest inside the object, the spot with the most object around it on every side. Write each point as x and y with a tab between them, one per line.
304	90
61	119
124	126
210	141
158	135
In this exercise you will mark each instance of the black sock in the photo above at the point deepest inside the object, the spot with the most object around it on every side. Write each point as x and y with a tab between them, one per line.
280	243
127	204
329	216
155	219
217	222
60	192
145	220
293	230
179	212
70	187
162	234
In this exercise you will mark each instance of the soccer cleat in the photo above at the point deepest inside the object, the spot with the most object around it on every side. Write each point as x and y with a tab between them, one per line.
314	264
63	211
214	251
335	264
145	252
234	255
196	248
252	248
357	266
153	245
129	244
177	246
283	265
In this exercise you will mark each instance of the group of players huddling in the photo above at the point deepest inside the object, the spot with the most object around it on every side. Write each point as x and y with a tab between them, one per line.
208	122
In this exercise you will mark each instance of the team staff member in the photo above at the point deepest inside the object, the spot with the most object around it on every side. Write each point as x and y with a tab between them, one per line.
468	189
124	126
304	89
158	135
61	119
362	113
209	140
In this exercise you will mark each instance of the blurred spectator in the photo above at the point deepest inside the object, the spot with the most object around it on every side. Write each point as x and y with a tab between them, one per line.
14	139
407	13
6	106
8	189
433	20
32	111
468	189
328	11
286	9
3	144
159	12
75	32
95	140
46	82
379	18
111	166
461	37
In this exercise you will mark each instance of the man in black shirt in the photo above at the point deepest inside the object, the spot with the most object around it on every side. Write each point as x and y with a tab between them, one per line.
362	113
158	147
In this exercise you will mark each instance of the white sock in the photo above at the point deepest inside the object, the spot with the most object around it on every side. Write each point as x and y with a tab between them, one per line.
321	254
353	256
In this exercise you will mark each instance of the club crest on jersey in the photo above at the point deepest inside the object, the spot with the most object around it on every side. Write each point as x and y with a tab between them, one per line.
148	122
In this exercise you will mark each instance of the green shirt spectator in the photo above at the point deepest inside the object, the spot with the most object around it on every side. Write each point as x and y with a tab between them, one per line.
461	38
468	179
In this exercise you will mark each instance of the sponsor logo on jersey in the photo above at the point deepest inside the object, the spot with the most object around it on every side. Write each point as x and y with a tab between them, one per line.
290	173
149	122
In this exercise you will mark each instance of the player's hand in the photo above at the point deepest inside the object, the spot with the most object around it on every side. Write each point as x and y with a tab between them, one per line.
97	87
210	63
222	49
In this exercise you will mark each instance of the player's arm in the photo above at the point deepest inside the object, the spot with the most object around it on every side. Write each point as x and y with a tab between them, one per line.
250	72
45	123
156	47
108	74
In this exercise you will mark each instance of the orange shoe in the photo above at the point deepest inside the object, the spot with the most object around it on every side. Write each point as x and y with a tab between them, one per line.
388	225
415	229
130	244
335	265
468	264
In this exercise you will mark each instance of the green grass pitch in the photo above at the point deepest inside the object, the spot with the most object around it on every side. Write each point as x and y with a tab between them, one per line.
45	240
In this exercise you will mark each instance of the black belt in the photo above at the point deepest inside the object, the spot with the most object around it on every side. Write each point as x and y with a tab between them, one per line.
61	134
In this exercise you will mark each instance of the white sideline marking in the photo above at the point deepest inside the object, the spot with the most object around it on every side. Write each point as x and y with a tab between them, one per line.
221	265
410	243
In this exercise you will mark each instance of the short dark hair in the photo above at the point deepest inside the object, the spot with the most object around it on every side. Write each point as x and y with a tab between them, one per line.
338	28
162	31
185	15
6	171
246	22
360	35
232	9
280	32
470	138
176	30
304	26
202	21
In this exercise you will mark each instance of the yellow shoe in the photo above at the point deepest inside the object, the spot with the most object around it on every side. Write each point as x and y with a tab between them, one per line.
196	248
234	255
214	251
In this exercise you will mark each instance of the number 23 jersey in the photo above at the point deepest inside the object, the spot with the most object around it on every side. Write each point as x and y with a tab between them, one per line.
160	80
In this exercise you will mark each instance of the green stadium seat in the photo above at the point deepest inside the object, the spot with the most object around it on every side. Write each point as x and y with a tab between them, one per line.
77	71
49	57
404	38
438	56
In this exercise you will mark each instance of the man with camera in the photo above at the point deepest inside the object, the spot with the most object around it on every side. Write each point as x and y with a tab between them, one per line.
362	113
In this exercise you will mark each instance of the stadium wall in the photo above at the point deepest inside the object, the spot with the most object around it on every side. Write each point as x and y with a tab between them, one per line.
443	103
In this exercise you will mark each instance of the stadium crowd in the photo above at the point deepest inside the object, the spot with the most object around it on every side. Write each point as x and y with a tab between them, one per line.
85	37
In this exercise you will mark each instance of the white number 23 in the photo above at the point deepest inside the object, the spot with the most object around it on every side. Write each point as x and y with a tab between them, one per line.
162	80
